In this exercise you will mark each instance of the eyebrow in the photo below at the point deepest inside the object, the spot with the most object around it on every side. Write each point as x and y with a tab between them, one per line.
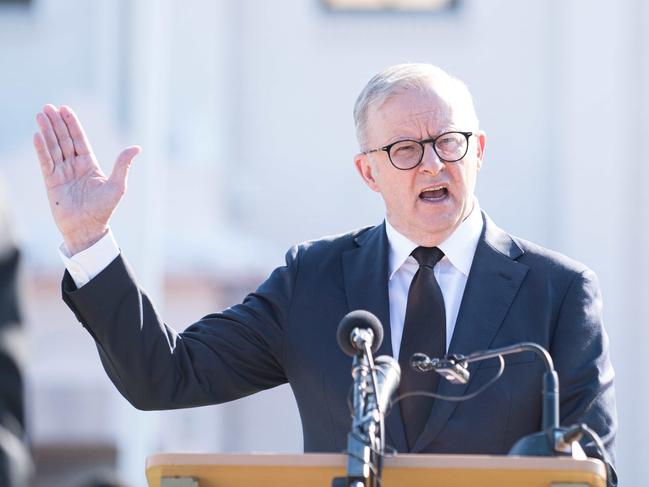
446	130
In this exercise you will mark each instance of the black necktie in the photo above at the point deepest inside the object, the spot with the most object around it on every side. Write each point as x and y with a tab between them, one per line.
424	330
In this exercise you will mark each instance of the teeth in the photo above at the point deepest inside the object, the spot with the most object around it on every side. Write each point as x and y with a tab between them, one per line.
433	188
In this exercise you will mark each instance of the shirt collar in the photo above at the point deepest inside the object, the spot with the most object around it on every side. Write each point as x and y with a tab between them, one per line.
459	247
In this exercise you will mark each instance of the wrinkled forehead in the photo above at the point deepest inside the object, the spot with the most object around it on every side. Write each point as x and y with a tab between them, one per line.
437	107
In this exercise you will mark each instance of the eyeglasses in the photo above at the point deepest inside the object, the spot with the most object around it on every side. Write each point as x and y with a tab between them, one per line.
407	154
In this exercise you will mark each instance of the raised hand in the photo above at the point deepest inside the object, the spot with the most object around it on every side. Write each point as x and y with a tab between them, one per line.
82	198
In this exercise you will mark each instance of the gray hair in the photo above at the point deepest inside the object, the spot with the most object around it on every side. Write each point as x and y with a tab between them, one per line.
401	77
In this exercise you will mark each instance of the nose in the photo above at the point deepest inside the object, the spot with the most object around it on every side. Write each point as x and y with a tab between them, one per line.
430	161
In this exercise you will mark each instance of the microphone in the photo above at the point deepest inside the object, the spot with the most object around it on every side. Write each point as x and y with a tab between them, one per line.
360	335
388	375
358	328
553	440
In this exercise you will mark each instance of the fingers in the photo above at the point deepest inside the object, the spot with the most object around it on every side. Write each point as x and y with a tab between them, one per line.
51	142
46	163
61	131
79	139
122	165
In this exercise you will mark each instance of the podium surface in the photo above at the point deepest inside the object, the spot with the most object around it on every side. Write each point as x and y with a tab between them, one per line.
318	470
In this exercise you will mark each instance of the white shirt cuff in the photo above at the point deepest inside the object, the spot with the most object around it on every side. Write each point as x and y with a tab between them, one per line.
88	263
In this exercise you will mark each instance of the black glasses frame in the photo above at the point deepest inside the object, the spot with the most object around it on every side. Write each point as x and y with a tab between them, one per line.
422	143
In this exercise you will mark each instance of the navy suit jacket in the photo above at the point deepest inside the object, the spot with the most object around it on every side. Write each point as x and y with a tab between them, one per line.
286	332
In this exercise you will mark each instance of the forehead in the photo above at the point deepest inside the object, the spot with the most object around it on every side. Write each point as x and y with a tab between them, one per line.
416	113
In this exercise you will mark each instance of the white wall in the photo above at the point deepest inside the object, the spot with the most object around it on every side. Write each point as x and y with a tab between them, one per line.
254	133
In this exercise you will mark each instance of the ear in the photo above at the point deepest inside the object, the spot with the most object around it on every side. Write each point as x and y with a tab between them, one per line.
481	139
366	169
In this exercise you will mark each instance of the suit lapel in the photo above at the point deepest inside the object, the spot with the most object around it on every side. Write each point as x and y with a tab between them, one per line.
365	271
493	282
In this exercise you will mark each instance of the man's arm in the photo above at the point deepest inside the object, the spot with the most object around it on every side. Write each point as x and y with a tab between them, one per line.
580	350
222	357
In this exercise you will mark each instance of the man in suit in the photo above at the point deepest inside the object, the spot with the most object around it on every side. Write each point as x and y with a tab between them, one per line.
421	149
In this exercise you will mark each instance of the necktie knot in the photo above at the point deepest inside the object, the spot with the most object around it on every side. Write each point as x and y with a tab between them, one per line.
427	256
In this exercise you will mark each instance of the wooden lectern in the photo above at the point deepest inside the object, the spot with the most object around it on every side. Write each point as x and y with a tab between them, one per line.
318	470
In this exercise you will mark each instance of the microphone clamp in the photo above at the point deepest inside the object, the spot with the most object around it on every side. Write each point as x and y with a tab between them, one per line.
452	367
361	339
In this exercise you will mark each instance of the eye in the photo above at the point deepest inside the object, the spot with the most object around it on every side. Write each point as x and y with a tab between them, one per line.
405	148
448	142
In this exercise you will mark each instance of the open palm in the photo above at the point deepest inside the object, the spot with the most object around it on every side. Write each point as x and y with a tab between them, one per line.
82	198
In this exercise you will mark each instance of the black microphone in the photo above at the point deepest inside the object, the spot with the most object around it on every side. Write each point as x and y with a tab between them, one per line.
357	328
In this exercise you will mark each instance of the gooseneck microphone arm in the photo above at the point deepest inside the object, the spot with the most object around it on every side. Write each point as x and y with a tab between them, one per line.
550	377
454	369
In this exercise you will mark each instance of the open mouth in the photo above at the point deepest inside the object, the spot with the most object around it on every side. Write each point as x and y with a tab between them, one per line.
434	193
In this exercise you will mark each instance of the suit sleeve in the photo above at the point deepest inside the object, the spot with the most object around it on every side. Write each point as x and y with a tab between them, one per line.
580	350
222	357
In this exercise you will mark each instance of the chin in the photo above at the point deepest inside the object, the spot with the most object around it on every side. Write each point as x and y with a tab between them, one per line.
431	233
441	228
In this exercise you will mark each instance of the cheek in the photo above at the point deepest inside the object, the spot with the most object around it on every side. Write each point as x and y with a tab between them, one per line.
390	183
396	194
458	176
464	177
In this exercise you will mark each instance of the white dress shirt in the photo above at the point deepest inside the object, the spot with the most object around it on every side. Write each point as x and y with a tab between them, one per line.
88	263
451	272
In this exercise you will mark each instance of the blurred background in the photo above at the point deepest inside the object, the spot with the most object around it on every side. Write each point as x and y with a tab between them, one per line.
243	109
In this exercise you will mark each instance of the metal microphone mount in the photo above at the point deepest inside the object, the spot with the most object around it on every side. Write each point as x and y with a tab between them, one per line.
550	441
359	334
365	439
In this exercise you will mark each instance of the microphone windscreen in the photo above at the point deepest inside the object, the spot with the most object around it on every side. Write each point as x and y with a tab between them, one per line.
359	319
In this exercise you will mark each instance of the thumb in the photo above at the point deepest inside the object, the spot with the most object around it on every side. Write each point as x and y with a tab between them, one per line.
122	165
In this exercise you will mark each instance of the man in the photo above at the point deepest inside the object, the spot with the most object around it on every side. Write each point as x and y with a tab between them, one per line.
15	464
439	274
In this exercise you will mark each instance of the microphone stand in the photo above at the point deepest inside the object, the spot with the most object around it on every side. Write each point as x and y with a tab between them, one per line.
552	440
366	439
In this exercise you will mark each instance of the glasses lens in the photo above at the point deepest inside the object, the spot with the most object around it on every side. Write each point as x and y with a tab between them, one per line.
406	154
451	147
